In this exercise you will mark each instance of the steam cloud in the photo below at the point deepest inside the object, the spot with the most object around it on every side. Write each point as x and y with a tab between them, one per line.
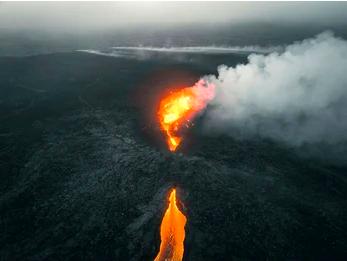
297	96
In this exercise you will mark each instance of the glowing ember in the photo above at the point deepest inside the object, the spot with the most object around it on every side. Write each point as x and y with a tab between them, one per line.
172	232
180	107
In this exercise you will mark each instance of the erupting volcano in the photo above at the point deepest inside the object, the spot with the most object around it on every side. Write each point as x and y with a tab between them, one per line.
180	107
172	232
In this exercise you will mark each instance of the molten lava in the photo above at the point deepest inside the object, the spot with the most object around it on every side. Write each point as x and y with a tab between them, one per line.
172	232
180	107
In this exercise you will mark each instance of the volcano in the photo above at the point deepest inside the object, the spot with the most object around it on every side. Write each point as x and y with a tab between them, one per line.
81	181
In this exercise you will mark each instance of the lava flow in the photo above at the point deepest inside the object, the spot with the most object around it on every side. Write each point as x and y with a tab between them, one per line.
180	107
172	232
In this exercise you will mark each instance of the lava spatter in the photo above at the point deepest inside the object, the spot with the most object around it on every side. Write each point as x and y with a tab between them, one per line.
180	107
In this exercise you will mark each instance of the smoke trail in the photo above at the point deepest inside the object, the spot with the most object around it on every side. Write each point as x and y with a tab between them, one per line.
297	96
203	49
144	53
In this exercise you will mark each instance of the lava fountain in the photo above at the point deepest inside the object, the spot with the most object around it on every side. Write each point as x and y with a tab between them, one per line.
172	232
180	107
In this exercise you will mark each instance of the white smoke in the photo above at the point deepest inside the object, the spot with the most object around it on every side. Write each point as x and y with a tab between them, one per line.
203	49
97	52
298	96
148	52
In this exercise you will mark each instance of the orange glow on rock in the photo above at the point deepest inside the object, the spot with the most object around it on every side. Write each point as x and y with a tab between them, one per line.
180	107
172	232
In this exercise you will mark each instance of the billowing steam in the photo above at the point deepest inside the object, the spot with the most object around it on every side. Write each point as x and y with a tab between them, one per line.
298	96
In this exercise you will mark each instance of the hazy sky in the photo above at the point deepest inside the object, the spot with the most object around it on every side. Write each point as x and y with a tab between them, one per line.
99	15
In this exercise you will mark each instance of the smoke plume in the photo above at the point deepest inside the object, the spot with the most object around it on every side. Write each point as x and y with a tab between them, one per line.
297	96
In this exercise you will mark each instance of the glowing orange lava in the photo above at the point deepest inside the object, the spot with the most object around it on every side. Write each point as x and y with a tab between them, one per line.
180	107
172	232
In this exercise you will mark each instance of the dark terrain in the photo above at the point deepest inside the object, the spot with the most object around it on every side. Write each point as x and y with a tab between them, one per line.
85	171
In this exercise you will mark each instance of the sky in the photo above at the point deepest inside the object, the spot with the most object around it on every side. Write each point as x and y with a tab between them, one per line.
104	15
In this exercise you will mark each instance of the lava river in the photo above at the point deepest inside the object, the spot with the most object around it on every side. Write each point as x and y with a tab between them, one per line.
180	107
172	232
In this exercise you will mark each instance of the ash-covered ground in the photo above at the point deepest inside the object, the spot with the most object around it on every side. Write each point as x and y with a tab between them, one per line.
85	171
